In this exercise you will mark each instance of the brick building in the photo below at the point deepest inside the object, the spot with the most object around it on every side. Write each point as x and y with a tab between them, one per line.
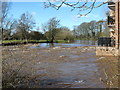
110	46
114	21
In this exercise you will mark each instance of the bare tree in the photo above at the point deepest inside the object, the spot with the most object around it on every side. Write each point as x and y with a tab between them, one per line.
25	24
8	27
45	28
7	24
5	6
83	5
52	27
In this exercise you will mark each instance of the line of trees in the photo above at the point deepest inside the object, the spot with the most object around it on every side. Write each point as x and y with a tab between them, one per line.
54	31
91	30
22	29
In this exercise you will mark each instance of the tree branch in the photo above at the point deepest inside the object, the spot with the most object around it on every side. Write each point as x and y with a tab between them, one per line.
74	6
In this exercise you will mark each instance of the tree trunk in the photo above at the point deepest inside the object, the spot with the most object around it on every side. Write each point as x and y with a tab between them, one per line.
52	40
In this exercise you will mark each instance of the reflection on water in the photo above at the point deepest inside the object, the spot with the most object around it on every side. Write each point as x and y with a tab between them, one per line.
73	44
46	45
86	42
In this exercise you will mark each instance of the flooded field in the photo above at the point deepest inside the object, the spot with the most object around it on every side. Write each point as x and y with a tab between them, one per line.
52	67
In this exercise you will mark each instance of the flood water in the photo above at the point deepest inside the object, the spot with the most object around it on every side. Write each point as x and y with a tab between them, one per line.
69	68
61	65
76	43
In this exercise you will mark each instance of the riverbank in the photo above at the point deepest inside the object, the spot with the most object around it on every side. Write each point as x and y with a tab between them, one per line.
55	67
18	42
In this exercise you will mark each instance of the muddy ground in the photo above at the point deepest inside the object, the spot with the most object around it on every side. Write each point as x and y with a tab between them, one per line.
57	67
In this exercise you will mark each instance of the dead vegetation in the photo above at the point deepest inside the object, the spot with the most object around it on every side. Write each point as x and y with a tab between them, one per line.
108	67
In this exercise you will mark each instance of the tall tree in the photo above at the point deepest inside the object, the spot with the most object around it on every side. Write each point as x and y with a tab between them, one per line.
25	24
52	26
6	24
5	6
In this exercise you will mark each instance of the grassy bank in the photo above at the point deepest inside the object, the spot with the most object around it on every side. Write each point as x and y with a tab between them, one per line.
21	41
15	42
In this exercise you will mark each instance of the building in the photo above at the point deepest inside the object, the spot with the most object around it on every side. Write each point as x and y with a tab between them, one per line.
110	46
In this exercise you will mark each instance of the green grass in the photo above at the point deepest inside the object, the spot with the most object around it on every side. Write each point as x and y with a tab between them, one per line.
37	41
10	41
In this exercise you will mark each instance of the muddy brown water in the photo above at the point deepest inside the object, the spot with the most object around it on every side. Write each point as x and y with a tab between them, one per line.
56	67
71	73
